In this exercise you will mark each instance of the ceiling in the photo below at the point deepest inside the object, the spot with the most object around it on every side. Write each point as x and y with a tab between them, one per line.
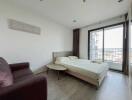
65	11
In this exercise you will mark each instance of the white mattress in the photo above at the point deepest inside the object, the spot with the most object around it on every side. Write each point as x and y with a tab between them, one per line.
85	67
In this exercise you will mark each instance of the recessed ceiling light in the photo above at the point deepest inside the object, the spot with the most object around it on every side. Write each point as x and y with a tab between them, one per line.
74	21
120	1
84	1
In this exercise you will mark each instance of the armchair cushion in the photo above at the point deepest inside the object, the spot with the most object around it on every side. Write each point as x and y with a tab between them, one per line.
6	77
21	73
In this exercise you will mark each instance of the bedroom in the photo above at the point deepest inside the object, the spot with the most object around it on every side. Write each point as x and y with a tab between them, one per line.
41	32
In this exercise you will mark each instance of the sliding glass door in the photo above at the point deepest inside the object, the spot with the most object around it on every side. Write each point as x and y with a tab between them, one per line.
106	45
113	47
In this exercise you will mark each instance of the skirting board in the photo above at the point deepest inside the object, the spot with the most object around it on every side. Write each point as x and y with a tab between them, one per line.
40	70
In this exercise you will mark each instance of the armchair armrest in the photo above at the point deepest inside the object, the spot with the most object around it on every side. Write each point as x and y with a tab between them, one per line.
19	66
32	88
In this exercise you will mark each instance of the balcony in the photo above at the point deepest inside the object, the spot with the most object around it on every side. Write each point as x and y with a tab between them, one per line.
113	56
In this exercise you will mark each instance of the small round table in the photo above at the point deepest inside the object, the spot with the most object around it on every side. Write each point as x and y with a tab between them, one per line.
57	68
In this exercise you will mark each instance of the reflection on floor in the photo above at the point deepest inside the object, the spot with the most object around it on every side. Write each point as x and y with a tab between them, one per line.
114	87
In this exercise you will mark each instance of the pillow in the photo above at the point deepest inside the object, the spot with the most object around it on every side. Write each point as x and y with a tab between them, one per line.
72	57
61	59
6	77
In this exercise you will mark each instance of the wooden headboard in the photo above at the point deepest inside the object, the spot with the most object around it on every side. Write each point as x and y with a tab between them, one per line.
61	54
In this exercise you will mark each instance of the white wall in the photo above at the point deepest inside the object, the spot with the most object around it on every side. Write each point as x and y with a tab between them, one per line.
84	34
16	46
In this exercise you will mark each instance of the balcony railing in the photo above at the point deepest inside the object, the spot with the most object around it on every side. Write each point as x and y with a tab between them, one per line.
113	56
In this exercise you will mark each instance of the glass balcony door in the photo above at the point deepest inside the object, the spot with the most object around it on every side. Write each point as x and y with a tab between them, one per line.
113	47
106	45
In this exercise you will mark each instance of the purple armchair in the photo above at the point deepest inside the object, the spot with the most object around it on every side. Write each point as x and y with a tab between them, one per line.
26	85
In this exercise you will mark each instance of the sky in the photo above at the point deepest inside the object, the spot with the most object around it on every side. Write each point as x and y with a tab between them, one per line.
113	37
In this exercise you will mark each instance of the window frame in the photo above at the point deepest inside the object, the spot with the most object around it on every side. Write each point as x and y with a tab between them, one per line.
103	28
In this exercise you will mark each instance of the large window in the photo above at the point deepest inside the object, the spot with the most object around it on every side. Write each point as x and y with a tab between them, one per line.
106	45
96	45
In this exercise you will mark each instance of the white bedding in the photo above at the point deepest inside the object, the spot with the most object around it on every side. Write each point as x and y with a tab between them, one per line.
85	67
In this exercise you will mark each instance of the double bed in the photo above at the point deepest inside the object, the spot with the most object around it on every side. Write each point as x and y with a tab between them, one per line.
92	72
